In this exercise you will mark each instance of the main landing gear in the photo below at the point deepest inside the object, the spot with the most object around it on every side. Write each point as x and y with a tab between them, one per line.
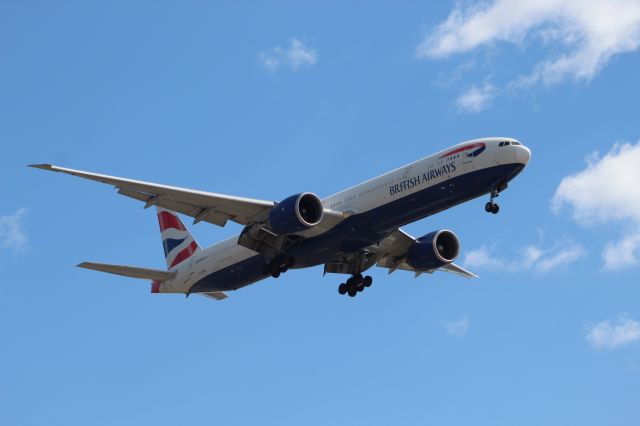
354	285
278	265
492	207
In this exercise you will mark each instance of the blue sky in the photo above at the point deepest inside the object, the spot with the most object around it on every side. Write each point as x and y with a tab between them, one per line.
267	100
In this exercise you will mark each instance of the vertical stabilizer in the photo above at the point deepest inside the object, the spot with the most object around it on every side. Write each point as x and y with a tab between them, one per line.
178	243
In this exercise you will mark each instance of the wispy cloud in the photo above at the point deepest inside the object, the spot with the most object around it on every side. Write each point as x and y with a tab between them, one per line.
457	328
294	56
529	258
12	235
607	191
580	36
612	334
475	99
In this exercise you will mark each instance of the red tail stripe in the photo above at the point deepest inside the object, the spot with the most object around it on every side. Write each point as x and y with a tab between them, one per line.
155	286
168	220
185	254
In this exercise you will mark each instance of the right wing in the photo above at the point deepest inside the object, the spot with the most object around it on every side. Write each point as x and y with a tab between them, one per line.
202	206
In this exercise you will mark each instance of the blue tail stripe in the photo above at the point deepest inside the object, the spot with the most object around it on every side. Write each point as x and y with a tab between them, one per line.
170	243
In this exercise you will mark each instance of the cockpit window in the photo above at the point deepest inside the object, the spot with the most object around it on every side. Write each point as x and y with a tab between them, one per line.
516	143
501	144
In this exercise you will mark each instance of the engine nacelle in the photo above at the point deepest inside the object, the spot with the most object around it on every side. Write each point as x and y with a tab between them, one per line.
296	213
434	250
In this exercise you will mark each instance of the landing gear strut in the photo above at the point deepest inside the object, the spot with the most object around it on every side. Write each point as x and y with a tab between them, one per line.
492	207
354	285
278	265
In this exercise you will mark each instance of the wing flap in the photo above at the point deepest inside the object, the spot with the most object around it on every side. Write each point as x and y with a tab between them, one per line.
129	271
198	213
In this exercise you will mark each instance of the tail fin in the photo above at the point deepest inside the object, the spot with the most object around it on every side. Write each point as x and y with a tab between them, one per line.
178	243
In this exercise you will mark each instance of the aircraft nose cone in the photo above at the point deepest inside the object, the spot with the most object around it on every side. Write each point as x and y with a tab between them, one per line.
523	154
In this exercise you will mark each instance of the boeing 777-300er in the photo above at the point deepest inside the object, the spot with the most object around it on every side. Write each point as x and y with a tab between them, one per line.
347	232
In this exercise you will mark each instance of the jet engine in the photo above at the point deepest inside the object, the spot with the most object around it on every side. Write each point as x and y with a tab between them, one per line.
433	250
296	213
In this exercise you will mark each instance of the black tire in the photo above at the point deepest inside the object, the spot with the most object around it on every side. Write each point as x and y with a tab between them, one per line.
367	281
351	285
342	288
489	207
352	292
360	288
275	274
496	209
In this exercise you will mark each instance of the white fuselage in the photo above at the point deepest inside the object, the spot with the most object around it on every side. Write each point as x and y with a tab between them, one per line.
402	182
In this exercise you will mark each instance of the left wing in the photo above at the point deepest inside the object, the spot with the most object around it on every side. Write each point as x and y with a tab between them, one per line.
392	250
202	206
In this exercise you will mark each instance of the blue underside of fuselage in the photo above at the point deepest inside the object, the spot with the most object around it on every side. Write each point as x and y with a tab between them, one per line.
364	229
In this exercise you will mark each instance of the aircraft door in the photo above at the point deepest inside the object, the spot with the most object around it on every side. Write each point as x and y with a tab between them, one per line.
467	161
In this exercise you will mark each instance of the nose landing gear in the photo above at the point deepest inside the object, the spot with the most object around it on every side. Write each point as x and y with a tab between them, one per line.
354	285
492	207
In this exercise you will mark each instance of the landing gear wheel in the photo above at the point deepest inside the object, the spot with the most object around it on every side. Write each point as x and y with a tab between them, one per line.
360	288
275	274
352	292
342	288
491	207
367	281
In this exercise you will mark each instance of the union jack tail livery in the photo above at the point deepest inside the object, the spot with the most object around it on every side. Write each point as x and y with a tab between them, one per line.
178	243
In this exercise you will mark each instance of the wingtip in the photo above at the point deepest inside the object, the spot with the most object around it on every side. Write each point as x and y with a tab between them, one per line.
41	166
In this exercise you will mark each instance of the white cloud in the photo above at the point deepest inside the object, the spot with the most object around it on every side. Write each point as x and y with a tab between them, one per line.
11	234
529	258
475	99
613	334
581	36
607	191
296	55
457	328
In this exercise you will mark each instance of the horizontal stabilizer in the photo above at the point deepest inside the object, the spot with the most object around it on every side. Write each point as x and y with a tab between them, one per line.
218	295
130	271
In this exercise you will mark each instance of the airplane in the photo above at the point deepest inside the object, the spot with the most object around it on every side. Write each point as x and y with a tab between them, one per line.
348	232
